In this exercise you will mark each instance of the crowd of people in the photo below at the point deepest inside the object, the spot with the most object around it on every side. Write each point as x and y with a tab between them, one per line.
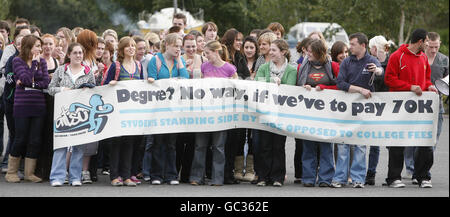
36	66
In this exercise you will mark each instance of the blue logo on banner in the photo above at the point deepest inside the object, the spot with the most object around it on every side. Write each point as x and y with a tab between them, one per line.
79	116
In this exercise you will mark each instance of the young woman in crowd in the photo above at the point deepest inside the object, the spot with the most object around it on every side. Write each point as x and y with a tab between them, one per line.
216	67
272	150
72	75
111	36
122	148
8	98
379	48
298	167
317	64
232	39
98	74
107	60
88	39
103	152
277	28
193	60
101	44
166	65
30	71
302	49
200	39
249	54
45	157
186	141
65	36
246	70
152	39
264	42
339	51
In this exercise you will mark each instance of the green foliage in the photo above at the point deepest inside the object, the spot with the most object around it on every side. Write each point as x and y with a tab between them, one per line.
5	9
375	17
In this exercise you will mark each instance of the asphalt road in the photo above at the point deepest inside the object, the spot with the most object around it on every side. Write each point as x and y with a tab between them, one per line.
102	188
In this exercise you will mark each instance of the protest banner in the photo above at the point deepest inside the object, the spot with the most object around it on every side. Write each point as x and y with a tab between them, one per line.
205	105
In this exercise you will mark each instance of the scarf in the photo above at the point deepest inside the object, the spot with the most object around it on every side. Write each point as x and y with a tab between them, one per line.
277	72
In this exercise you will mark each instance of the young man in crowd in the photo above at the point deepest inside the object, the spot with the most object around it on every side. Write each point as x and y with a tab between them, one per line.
408	70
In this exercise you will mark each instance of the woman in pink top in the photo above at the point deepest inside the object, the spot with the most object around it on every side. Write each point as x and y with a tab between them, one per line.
215	67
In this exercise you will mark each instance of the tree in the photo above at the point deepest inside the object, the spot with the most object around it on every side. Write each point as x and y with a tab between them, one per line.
5	8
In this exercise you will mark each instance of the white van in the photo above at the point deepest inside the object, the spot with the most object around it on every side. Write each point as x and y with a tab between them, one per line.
331	31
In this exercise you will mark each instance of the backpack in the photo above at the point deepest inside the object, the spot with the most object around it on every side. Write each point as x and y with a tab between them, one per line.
117	73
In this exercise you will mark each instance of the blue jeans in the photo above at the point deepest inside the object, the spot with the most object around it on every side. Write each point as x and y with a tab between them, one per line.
11	134
164	157
310	164
202	142
147	160
358	168
374	155
409	158
58	172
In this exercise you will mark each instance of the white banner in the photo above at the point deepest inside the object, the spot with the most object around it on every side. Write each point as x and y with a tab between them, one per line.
201	105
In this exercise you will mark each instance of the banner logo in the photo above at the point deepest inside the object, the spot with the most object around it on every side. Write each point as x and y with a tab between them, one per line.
79	116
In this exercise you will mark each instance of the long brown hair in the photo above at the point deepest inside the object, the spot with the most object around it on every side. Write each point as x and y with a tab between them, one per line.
337	48
123	43
27	44
88	39
228	40
319	50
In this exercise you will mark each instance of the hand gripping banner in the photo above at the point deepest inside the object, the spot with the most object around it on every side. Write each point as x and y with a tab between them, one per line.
215	104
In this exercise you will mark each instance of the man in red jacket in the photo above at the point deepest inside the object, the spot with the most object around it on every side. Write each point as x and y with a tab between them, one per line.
408	70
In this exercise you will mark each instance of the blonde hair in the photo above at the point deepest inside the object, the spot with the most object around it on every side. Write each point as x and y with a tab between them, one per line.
110	32
68	34
221	48
123	43
380	43
152	37
267	37
170	39
3	42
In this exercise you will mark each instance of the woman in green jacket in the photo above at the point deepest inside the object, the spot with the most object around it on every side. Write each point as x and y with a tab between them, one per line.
272	152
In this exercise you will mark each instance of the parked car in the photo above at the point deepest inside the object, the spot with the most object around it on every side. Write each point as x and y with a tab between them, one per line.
331	31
